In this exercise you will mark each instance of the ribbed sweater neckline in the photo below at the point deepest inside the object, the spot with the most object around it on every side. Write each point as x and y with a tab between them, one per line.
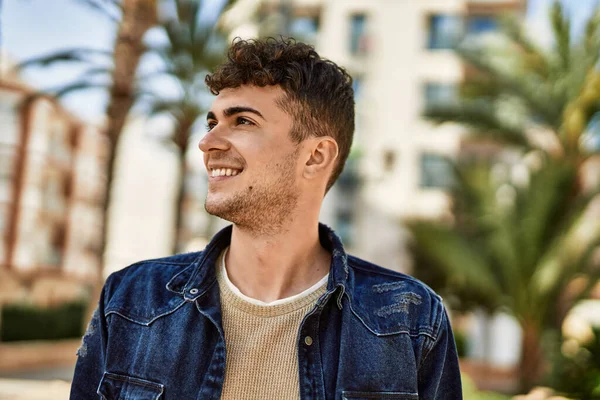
266	311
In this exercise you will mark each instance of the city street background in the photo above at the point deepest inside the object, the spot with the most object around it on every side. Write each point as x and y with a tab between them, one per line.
475	166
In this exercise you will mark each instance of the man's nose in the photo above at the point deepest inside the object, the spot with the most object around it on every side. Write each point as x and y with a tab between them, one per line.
213	140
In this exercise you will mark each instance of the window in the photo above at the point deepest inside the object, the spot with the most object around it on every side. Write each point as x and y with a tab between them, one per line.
481	24
438	94
358	38
436	172
305	29
9	120
445	31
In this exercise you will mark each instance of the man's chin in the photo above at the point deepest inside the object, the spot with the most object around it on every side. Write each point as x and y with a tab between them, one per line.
219	209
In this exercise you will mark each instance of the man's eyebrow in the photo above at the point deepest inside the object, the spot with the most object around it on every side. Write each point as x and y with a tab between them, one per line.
240	109
211	115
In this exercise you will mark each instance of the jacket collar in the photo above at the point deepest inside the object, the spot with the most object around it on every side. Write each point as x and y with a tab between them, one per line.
195	280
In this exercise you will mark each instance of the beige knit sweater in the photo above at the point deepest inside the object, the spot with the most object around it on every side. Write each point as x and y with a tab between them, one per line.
261	342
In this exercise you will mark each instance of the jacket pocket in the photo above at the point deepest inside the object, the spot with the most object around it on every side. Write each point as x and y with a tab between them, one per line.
352	395
123	387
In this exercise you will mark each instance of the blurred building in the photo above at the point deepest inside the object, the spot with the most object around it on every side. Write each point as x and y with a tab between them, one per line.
141	213
51	187
401	56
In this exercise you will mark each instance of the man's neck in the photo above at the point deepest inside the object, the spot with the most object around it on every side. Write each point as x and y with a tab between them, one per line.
277	266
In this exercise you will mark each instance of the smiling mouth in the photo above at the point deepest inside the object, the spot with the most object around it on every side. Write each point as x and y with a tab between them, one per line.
216	172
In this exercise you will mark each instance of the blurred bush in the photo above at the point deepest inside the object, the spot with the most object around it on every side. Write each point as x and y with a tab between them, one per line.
29	322
460	338
576	368
526	197
470	392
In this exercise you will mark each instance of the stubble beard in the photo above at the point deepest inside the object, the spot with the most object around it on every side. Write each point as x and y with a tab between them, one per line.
263	208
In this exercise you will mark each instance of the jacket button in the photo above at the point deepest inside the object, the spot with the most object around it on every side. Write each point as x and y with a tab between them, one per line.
194	291
308	340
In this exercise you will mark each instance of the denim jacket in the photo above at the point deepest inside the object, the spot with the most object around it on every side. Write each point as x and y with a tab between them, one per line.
375	334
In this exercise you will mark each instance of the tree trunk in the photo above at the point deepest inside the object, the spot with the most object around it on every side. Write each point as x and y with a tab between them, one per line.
181	140
138	17
178	243
531	364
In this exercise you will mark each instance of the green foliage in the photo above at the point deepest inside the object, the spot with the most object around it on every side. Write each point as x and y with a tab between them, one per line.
192	50
27	322
192	46
577	375
517	246
515	85
470	392
512	246
460	339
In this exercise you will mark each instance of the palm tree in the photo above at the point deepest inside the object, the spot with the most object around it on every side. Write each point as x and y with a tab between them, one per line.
193	49
514	88
522	247
114	71
514	247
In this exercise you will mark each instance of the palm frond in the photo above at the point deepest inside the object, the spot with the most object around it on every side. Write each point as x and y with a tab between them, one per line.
481	117
561	28
564	295
565	254
178	34
79	86
544	210
103	8
172	107
532	90
490	227
580	111
191	18
94	72
535	58
82	55
592	271
457	257
591	41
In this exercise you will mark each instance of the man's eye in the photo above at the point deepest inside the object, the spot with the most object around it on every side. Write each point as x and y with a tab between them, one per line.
210	125
244	121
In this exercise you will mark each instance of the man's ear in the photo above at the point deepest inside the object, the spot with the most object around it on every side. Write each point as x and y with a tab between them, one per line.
323	155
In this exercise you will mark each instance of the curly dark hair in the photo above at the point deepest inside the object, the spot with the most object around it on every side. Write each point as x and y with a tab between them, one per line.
319	95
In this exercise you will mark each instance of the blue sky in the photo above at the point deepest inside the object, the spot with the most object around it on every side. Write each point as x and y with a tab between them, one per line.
34	27
537	15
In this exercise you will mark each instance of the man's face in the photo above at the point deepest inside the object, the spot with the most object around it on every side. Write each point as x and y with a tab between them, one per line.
251	160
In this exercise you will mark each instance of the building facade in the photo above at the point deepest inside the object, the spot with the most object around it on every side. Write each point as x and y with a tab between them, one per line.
51	187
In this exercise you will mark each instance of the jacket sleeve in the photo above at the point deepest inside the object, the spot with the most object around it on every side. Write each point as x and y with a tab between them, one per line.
91	356
439	373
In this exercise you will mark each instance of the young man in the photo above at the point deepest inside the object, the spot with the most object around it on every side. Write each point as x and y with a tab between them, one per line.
273	308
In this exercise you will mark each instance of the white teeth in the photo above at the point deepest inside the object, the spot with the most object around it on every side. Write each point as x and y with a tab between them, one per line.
224	172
